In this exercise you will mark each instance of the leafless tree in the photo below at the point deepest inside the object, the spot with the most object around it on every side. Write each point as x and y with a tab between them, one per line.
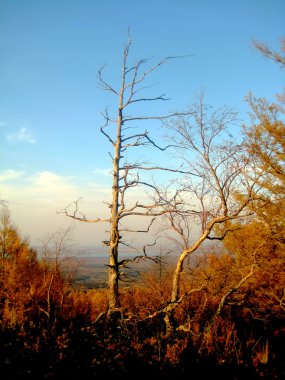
124	134
57	269
218	190
5	223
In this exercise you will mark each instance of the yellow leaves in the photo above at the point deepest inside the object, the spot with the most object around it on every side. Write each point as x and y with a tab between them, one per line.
265	142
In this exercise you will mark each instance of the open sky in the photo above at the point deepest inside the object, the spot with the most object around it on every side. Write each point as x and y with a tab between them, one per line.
52	151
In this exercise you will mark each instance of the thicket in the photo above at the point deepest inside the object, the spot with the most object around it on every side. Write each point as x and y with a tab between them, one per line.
48	329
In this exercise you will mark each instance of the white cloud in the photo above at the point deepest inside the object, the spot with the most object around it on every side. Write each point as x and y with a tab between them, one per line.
43	188
23	136
10	174
35	200
48	180
50	187
49	190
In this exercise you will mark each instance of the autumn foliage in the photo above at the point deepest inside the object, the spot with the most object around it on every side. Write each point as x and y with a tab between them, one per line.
49	329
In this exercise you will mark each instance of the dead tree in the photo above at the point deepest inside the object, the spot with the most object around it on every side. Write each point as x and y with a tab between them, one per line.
126	175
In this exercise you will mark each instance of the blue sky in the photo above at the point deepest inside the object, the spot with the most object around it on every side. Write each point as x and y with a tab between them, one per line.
50	103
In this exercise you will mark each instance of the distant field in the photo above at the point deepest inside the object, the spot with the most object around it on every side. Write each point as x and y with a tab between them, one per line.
92	272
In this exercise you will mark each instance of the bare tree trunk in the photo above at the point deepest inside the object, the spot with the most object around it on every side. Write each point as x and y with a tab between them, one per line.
176	279
114	301
188	251
114	274
175	293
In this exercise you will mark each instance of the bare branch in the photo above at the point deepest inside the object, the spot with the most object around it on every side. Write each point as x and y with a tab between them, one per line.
155	117
139	138
149	245
140	167
173	305
281	300
137	80
124	263
77	215
106	117
160	97
139	231
104	85
242	280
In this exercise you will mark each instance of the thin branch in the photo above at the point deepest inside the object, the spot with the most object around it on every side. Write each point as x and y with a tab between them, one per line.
223	235
242	280
81	218
139	138
173	305
106	117
156	117
148	245
140	167
105	85
137	259
161	97
139	231
280	300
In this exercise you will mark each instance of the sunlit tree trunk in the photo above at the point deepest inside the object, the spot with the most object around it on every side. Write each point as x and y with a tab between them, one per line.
114	274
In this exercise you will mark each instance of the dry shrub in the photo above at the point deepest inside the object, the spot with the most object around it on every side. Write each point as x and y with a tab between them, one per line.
220	339
87	305
150	295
